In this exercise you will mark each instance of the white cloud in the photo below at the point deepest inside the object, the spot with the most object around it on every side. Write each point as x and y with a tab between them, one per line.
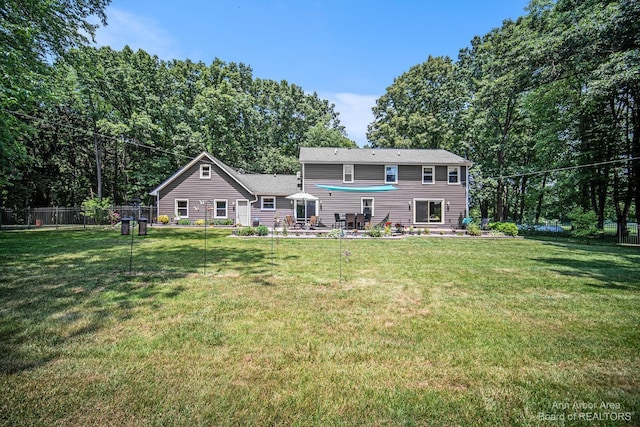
138	32
355	113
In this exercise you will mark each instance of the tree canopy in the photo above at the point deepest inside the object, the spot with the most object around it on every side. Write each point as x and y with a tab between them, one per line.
545	106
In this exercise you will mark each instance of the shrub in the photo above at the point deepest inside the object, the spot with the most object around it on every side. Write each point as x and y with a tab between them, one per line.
335	233
247	231
262	230
506	228
473	229
163	219
583	223
198	222
375	232
97	209
184	221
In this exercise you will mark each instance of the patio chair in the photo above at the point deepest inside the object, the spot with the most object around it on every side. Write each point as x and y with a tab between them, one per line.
338	220
291	223
367	216
485	223
313	222
350	220
360	221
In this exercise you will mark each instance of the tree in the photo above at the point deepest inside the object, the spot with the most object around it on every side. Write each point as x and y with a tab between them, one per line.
419	109
32	33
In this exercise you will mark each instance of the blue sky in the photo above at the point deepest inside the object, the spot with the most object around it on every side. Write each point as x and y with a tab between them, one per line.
347	51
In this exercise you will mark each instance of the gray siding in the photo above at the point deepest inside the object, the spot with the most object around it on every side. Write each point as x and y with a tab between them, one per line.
397	204
220	186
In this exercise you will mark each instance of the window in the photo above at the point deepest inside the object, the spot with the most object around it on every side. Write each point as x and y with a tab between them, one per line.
182	208
428	211
391	174
205	171
366	204
453	173
268	203
427	175
220	208
347	173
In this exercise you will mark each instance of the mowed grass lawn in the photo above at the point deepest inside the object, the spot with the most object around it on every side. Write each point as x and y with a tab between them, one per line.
417	331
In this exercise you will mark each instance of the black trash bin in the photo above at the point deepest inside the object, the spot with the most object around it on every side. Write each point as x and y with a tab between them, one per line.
142	226
125	226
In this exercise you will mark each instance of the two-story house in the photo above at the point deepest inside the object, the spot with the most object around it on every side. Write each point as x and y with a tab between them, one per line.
415	187
423	188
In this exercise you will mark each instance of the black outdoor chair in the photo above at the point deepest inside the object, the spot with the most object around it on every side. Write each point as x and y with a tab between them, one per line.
360	221
367	216
338	220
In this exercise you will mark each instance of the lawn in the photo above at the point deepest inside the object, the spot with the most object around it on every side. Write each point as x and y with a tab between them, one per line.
416	331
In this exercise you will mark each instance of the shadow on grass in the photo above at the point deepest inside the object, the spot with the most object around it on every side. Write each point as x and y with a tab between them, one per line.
609	266
58	287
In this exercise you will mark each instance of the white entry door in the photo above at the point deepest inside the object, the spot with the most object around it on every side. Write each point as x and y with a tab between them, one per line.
242	212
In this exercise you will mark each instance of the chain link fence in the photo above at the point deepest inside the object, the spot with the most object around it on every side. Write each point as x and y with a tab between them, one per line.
56	216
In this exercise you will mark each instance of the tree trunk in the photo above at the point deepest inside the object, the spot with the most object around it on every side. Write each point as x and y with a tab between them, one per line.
540	197
98	147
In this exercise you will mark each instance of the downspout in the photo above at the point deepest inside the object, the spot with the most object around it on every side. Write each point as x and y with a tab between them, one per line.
466	190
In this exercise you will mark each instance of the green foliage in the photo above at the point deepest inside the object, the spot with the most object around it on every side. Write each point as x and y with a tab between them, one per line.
583	223
473	229
336	233
262	230
198	222
375	232
97	209
184	221
247	231
223	221
506	228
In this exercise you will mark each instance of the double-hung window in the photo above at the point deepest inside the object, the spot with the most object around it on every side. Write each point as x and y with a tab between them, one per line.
205	171
220	209
453	175
428	175
347	173
391	174
268	203
182	208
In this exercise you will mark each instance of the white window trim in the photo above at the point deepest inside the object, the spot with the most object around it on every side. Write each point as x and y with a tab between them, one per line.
176	207
433	175
457	168
226	208
373	204
442	208
262	203
385	174
344	173
202	168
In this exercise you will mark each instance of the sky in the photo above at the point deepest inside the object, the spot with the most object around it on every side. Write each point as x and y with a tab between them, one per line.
347	51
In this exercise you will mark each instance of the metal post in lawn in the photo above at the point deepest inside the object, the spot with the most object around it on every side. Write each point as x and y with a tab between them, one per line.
273	236
340	234
135	202
206	204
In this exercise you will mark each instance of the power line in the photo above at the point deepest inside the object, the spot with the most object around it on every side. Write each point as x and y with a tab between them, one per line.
630	159
90	132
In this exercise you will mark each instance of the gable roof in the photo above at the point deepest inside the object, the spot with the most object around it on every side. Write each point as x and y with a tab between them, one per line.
256	184
381	156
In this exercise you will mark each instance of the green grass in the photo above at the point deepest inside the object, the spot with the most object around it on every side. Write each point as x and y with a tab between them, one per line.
419	331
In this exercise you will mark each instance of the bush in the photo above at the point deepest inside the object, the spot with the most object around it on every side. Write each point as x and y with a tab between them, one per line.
198	222
222	222
247	231
335	233
375	232
583	223
184	221
473	229
96	209
506	228
163	219
262	230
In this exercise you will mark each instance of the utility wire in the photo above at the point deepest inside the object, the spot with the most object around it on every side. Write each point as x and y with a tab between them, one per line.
630	159
90	132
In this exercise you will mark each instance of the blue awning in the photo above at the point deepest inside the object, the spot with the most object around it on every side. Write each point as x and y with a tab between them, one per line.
374	189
